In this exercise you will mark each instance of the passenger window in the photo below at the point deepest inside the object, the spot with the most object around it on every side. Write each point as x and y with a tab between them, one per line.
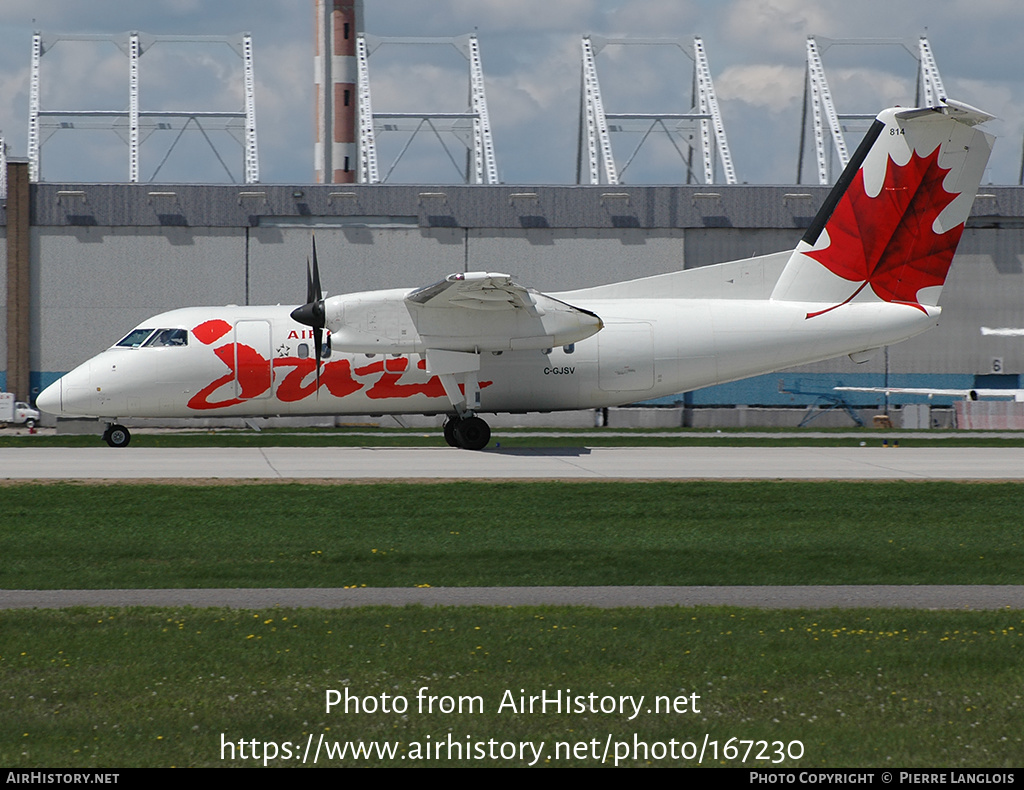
569	348
135	338
325	351
303	351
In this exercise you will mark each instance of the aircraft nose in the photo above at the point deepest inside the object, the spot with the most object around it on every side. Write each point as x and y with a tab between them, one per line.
49	399
72	395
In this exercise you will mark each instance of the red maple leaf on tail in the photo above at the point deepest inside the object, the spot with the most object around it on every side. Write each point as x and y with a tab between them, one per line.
887	241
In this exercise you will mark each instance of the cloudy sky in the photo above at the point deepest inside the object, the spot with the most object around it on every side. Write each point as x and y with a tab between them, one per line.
530	51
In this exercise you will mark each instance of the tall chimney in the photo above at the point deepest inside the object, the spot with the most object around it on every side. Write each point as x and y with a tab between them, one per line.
335	75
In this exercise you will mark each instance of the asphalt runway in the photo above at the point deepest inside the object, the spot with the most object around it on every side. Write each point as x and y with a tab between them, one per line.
598	463
761	597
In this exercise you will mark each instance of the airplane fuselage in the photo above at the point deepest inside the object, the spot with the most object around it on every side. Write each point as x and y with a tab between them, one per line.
257	361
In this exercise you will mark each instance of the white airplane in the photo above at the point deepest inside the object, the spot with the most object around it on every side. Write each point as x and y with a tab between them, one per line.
975	393
867	273
978	393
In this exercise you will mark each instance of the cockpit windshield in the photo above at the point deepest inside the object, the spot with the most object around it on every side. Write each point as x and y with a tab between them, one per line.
154	338
135	338
168	337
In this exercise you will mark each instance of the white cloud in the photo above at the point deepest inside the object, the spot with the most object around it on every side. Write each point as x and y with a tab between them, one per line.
530	51
547	84
425	88
869	90
774	87
665	18
520	15
284	113
83	75
778	26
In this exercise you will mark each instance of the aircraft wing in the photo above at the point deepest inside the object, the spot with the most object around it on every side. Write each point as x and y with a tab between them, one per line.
487	311
475	291
966	394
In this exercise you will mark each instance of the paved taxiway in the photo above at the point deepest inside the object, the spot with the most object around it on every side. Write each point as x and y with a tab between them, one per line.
599	463
766	597
664	463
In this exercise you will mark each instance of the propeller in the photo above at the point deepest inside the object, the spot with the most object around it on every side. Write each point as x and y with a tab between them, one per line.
312	313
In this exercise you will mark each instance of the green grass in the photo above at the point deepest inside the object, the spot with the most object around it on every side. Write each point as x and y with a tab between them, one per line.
159	687
102	688
487	534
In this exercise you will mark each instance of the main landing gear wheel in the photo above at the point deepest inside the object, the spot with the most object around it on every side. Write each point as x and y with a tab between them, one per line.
117	436
449	431
472	433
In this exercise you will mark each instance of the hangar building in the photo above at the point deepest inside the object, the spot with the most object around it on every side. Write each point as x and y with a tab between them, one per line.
84	263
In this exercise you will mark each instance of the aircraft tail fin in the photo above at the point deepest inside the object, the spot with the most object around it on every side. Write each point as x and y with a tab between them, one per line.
890	226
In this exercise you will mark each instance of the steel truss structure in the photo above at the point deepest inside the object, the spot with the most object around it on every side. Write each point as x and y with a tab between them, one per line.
595	149
135	125
818	96
472	127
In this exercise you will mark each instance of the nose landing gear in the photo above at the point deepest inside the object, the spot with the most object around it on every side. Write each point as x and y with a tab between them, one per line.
117	435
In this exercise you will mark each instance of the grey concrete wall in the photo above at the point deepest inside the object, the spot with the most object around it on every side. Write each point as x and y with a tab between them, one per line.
351	259
706	246
549	259
92	284
558	259
3	299
106	260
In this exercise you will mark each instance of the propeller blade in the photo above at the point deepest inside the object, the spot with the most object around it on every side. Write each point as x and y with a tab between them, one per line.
318	339
316	275
312	313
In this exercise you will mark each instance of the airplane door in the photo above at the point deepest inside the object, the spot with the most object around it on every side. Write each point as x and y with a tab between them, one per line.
625	355
253	373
